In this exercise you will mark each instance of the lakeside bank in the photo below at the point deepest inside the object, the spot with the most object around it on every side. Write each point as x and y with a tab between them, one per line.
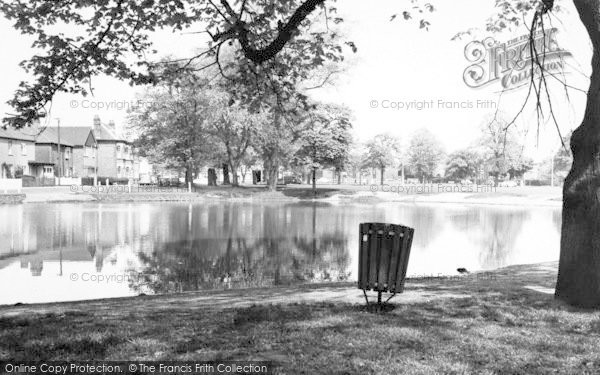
518	196
506	322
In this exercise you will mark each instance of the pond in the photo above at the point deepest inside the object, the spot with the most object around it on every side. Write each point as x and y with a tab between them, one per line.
64	252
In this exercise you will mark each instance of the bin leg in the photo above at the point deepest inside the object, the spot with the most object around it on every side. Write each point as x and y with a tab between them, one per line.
392	296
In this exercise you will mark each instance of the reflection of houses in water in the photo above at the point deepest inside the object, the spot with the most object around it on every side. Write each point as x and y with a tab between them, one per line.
15	232
181	246
36	266
66	233
241	244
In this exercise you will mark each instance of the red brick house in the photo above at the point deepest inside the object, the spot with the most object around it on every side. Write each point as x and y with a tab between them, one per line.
82	153
17	151
48	161
116	156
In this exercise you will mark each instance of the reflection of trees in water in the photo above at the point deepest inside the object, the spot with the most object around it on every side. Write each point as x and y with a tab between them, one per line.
285	251
494	233
428	223
321	259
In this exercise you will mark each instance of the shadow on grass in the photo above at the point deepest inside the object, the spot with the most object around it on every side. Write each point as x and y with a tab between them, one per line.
498	327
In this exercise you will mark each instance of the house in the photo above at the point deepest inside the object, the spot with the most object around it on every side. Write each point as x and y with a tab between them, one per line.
83	157
17	151
116	156
50	159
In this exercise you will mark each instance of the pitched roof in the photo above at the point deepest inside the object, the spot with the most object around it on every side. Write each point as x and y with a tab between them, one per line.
106	133
75	135
25	134
50	136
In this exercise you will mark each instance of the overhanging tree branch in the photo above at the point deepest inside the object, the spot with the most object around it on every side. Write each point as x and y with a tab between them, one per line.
240	31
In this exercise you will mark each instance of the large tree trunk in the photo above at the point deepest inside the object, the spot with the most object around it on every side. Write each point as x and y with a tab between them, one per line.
578	281
212	177
234	176
271	174
189	174
226	180
382	175
314	181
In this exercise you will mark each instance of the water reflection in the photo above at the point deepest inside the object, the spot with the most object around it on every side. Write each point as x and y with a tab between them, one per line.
125	249
243	246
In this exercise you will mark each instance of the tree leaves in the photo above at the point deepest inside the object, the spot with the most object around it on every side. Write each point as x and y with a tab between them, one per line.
418	8
424	153
111	38
383	150
326	138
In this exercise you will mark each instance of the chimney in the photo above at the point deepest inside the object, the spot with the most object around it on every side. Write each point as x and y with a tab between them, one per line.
111	125
97	123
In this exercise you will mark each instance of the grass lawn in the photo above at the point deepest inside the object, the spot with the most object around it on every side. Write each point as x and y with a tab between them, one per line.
504	324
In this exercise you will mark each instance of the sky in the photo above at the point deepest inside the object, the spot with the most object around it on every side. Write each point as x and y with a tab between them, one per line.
421	71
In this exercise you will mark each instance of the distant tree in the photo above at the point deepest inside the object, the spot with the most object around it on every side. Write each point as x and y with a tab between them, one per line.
325	142
276	141
356	161
518	167
173	129
382	151
233	126
500	146
424	154
463	164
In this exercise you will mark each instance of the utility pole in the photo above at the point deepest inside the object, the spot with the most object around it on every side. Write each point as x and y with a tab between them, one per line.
96	164
60	158
403	176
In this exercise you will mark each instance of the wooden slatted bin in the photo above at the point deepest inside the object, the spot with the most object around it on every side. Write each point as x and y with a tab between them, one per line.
383	257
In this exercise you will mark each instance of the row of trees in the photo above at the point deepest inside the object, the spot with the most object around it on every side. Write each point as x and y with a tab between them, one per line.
190	123
498	153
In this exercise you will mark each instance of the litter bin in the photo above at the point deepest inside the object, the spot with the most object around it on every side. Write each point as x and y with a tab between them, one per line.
383	258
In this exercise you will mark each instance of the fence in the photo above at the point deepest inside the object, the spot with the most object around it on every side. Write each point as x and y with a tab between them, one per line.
68	181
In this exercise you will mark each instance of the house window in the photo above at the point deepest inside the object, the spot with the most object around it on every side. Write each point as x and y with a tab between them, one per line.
23	149
10	150
90	152
67	153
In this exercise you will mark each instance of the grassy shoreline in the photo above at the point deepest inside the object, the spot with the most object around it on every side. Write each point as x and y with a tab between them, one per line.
505	323
521	196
